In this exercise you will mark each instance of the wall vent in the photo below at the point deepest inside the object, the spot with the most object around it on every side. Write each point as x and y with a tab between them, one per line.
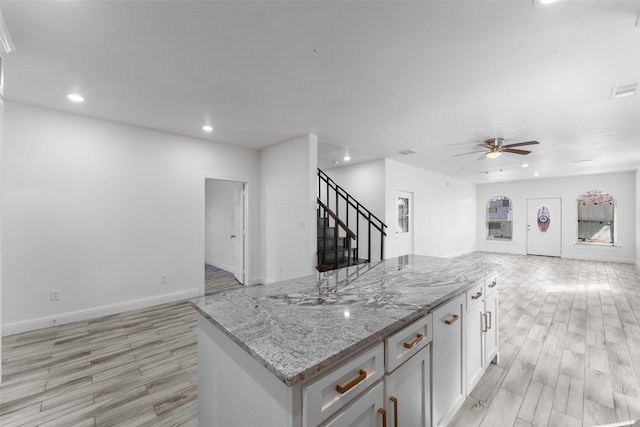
622	91
407	152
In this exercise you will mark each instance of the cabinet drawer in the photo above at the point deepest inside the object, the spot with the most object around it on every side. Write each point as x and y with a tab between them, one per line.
407	342
329	393
491	284
475	295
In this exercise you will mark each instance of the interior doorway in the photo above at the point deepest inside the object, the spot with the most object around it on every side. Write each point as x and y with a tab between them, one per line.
404	226
224	235
544	226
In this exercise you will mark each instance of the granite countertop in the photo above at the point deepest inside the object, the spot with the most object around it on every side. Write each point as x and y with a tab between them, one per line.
298	327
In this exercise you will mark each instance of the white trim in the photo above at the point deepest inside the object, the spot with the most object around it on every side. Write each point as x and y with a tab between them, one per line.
6	44
460	253
91	313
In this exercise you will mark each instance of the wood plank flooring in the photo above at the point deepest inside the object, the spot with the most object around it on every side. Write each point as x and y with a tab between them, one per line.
569	356
218	280
569	345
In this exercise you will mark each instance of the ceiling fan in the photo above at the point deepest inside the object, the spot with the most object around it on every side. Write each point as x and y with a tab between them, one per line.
496	147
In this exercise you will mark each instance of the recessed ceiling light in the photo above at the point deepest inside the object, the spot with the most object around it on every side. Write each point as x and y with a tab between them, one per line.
539	3
207	128
536	173
525	165
75	97
624	91
335	162
347	157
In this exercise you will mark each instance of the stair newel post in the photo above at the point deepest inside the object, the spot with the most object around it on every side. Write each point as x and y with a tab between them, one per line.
381	241
369	239
357	255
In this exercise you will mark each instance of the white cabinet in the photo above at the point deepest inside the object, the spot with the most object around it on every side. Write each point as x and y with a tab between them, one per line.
448	387
481	329
366	411
407	395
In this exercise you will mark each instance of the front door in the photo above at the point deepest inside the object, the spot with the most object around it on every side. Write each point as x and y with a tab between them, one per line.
404	226
544	226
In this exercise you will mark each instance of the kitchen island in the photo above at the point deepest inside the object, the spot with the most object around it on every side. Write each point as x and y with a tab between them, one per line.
265	351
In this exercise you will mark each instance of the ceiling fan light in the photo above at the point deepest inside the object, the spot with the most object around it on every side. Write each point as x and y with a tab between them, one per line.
494	154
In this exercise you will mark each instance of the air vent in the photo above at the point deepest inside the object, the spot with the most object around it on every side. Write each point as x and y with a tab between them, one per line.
407	152
623	91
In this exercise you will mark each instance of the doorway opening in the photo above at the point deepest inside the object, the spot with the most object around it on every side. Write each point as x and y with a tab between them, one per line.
224	235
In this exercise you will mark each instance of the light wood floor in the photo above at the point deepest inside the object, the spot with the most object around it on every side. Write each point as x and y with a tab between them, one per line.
570	346
218	280
569	356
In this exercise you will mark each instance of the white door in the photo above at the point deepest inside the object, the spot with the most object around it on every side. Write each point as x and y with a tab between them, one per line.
544	226
404	225
238	234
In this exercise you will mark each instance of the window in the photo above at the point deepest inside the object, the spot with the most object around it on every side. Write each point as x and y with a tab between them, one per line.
499	218
596	217
403	215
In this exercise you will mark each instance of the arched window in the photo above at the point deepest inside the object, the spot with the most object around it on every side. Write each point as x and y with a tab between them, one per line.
596	217
499	218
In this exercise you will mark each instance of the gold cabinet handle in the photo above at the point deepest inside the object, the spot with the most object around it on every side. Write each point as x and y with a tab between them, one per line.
490	322
476	296
395	410
452	320
493	284
413	342
384	416
485	328
342	389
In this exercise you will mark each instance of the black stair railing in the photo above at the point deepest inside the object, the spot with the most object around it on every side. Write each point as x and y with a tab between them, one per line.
336	203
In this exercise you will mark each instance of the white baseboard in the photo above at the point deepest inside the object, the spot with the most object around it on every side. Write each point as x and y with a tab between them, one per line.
91	313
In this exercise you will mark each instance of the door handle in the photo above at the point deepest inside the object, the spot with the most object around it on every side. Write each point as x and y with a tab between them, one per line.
233	236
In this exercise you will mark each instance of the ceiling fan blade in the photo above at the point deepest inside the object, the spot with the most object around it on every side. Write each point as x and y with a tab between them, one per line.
470	152
486	145
514	151
520	144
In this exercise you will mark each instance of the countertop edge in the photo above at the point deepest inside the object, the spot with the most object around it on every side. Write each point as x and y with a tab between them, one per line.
350	351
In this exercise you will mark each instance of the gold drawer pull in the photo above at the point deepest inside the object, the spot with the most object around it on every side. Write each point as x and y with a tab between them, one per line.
395	410
493	284
413	342
476	296
452	320
384	416
342	389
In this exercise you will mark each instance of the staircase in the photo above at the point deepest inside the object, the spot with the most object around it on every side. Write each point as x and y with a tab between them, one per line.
339	243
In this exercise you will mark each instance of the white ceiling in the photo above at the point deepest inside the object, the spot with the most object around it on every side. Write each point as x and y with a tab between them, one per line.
371	77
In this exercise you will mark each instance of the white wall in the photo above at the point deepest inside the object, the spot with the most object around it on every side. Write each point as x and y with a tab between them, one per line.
638	216
444	211
220	198
100	210
289	188
621	185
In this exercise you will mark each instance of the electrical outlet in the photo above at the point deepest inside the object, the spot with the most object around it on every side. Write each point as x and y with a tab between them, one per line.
163	279
55	295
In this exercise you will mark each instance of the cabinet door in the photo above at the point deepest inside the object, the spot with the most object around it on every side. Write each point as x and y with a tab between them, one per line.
448	388
474	324
491	336
363	412
407	396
